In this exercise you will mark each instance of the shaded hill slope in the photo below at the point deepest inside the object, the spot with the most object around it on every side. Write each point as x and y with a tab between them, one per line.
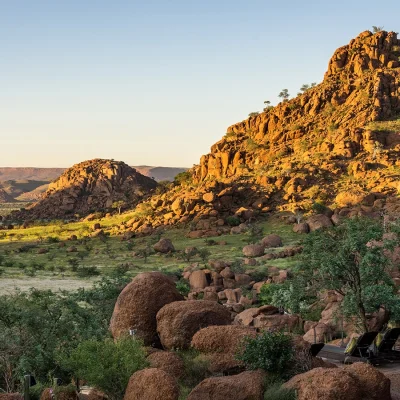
5	197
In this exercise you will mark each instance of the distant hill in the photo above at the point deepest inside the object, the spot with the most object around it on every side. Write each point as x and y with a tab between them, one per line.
5	197
90	186
50	174
160	173
22	187
29	184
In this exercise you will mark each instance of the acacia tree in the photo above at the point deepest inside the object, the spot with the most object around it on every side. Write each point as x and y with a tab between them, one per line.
351	259
284	94
376	29
118	205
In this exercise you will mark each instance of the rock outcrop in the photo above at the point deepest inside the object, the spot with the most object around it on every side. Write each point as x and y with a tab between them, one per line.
90	186
336	142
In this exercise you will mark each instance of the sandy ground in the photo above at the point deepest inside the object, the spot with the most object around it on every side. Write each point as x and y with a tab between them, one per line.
9	285
392	371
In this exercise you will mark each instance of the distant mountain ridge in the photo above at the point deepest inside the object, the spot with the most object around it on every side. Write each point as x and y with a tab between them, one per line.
50	174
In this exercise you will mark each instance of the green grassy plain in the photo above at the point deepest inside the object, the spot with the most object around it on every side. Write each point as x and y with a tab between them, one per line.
21	265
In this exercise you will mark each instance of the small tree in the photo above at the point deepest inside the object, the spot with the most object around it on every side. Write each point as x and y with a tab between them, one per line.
118	205
378	148
254	114
204	254
351	259
376	29
284	95
271	351
108	364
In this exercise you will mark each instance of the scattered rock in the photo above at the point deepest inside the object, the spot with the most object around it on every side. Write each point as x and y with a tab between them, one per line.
253	250
164	246
272	241
319	221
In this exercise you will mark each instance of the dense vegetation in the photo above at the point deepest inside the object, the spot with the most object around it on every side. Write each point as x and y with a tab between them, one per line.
39	329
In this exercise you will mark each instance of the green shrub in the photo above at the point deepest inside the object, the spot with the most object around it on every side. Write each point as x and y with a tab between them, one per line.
271	351
52	239
277	392
237	266
183	287
204	254
183	178
60	392
232	221
85	272
196	368
254	233
259	274
108	365
319	208
36	391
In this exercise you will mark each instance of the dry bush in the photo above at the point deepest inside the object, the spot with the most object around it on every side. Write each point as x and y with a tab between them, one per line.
348	198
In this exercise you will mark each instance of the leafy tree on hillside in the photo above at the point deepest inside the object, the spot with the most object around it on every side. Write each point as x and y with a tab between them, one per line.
254	114
183	178
284	94
118	205
376	29
351	259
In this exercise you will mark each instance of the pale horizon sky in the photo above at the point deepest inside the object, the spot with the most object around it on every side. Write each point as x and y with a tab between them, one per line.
156	82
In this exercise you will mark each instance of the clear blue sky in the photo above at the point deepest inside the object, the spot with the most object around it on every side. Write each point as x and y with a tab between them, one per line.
156	82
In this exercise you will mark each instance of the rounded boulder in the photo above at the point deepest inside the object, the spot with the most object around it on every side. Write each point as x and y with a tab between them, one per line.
248	385
138	304
221	339
152	383
319	221
177	322
167	361
351	382
272	241
164	246
253	250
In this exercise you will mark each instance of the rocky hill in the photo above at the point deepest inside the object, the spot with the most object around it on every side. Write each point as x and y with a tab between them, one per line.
29	184
334	144
90	186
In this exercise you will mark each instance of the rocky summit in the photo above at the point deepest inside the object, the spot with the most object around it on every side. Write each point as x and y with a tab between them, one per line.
88	187
334	143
